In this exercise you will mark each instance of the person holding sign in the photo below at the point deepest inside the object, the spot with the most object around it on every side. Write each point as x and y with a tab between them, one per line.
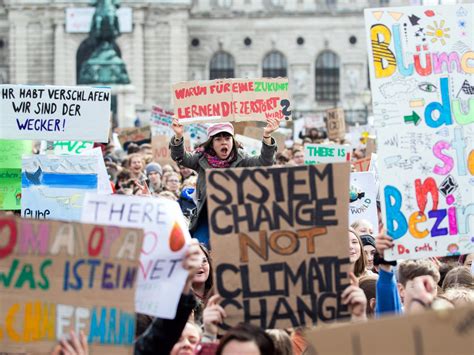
221	150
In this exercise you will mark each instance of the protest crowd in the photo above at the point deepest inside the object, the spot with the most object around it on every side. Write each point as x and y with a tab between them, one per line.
278	242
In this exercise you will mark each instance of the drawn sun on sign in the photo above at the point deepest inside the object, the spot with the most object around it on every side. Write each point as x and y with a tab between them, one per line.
438	32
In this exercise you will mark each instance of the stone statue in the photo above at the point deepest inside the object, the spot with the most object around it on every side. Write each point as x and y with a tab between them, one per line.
99	59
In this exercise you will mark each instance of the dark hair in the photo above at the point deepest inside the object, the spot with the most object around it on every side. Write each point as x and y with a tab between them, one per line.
444	268
208	288
409	269
207	145
244	332
368	284
209	284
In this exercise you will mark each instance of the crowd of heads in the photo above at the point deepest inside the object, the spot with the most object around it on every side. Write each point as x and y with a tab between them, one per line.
435	283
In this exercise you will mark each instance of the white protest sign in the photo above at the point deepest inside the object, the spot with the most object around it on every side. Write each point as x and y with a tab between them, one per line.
422	78
160	121
251	146
53	187
298	127
54	113
326	153
103	181
363	202
86	148
71	147
161	277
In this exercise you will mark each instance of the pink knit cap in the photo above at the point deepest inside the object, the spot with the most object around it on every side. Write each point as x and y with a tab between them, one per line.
219	128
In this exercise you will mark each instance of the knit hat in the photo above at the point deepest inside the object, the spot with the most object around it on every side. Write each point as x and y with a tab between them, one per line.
153	168
367	239
219	128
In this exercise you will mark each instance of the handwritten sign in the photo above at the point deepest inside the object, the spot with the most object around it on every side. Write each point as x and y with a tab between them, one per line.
161	277
53	187
279	242
362	165
57	276
161	151
71	147
424	117
54	112
231	100
10	172
10	189
160	121
363	199
433	332
326	153
336	124
134	134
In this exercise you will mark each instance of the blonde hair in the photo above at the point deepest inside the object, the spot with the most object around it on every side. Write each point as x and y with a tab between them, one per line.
459	296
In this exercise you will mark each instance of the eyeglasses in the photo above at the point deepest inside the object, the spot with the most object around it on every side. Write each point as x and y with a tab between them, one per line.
177	181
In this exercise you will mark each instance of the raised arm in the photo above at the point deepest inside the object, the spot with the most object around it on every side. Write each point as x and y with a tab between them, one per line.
178	153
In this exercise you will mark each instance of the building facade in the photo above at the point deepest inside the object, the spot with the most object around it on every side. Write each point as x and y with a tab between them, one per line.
320	45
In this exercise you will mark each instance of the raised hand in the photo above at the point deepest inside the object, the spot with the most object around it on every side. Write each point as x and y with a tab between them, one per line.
192	262
212	316
178	128
354	297
272	125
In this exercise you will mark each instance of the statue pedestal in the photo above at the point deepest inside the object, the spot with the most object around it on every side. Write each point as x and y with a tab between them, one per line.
126	114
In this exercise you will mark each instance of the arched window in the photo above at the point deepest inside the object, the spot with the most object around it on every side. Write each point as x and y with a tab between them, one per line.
274	65
327	77
222	66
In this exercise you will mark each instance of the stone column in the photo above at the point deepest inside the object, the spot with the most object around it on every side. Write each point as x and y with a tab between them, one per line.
19	49
179	42
59	52
137	69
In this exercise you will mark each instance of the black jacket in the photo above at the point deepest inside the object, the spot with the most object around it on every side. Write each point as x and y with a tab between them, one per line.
163	334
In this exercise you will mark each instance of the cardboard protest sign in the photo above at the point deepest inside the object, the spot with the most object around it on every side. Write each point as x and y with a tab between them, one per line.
10	172
371	146
231	100
423	111
54	112
161	150
134	134
58	276
363	199
431	332
279	243
161	277
362	165
53	187
336	124
71	147
326	153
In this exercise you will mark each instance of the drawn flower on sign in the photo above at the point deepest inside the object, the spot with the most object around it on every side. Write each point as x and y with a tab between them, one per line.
438	32
176	240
